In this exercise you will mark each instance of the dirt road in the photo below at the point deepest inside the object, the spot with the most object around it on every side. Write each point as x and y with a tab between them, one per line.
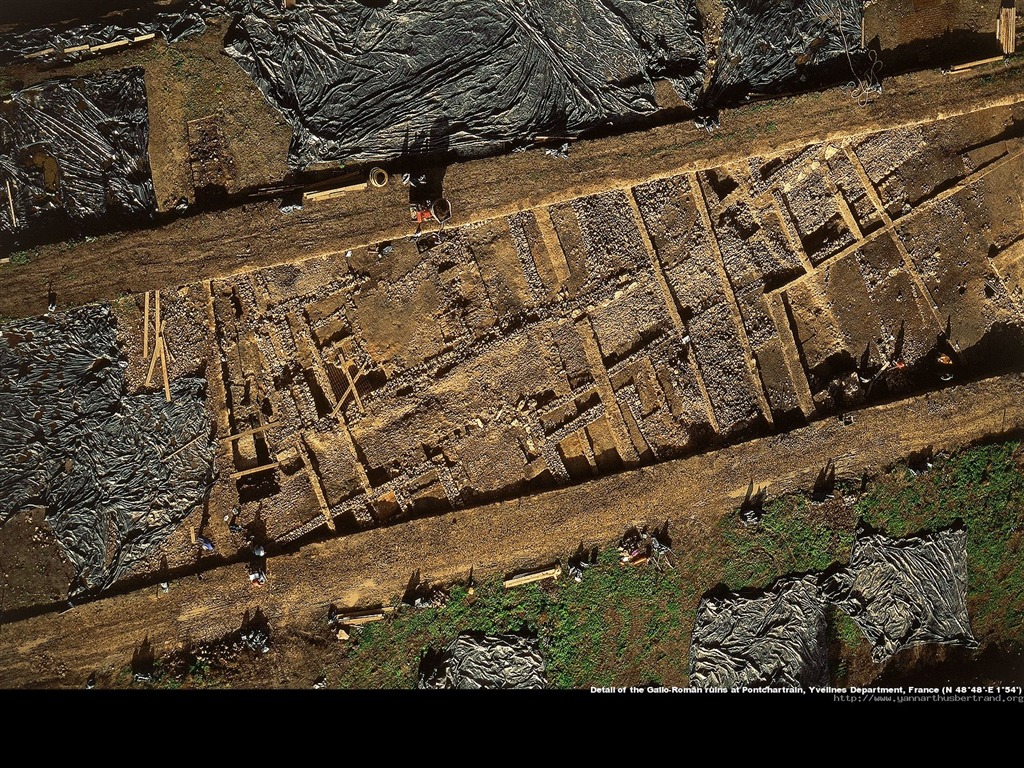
258	234
374	567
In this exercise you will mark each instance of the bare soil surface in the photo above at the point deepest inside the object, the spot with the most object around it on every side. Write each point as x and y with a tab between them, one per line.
632	334
374	567
257	233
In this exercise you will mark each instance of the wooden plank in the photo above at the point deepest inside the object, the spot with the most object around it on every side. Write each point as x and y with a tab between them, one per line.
972	64
253	431
145	326
163	364
44	52
357	619
254	470
162	334
152	363
156	319
77	48
330	194
108	46
143	38
10	204
526	578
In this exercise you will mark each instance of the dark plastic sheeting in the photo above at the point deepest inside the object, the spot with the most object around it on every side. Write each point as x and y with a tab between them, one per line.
772	638
770	44
180	22
486	661
76	150
370	81
115	473
904	592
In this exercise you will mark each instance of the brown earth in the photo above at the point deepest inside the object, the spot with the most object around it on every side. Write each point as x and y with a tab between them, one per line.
373	567
257	233
543	343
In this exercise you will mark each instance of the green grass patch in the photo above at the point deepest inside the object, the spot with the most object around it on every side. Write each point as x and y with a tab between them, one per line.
631	625
625	625
984	488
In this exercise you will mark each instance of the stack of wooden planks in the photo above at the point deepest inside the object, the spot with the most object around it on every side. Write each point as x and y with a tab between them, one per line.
1006	29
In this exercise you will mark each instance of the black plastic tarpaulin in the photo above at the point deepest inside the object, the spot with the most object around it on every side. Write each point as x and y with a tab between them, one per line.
475	660
770	44
903	592
75	150
178	22
114	472
369	81
775	637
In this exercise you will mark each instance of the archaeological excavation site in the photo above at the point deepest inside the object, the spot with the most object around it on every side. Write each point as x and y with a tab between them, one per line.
674	345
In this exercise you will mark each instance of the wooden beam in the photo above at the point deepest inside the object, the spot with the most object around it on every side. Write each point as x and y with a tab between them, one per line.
330	194
145	327
163	364
362	617
356	621
162	333
10	204
152	363
253	431
526	578
254	470
108	46
972	64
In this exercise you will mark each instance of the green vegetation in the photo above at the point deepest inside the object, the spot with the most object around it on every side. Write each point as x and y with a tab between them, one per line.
624	625
618	623
794	537
20	258
983	487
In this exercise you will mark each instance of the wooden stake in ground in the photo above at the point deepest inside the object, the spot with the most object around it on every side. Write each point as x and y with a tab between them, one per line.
152	362
163	364
10	203
145	326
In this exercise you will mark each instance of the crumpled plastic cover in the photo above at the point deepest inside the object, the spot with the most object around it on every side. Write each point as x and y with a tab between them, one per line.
487	661
903	592
76	149
115	472
178	22
767	44
776	637
369	81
